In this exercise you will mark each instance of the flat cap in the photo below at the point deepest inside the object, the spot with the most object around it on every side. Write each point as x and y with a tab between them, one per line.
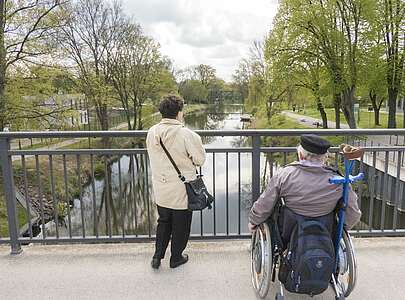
314	144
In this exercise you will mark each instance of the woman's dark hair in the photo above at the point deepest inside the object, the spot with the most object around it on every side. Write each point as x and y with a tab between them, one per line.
170	106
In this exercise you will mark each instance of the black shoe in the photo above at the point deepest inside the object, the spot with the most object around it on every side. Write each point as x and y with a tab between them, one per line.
182	261
155	263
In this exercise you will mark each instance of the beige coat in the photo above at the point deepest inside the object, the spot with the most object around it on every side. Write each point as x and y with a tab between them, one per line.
187	151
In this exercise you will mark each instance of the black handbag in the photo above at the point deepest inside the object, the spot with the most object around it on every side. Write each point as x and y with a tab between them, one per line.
198	196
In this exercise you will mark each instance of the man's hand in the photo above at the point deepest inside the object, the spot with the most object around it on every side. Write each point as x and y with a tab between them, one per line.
252	227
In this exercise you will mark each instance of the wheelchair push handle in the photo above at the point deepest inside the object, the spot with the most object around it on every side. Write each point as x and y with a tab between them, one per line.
350	152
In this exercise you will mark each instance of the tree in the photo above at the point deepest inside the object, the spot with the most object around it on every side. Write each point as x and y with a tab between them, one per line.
241	78
392	24
215	90
309	77
205	74
25	27
338	29
193	91
36	103
138	71
373	83
251	75
87	37
165	82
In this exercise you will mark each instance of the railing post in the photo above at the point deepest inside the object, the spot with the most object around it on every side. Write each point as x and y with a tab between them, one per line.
255	167
9	192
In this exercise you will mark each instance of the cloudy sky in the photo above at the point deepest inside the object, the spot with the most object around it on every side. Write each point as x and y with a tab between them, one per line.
214	32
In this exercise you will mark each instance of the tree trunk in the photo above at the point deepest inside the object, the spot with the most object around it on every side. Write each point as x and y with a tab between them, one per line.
135	110
324	117
2	67
102	114
269	109
392	107
403	109
376	107
140	124
128	116
377	117
322	112
348	106
2	100
336	105
104	117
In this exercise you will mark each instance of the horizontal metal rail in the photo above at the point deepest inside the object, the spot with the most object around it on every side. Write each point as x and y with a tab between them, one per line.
219	133
208	150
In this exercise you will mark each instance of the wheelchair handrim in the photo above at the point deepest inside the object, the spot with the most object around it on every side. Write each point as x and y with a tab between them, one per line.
261	281
350	258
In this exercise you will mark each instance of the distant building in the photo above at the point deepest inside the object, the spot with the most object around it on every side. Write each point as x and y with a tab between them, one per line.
77	104
74	104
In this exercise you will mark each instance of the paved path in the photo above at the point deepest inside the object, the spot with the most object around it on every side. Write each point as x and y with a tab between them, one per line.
309	121
217	270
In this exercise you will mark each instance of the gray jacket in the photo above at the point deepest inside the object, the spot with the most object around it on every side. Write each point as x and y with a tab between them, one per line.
306	189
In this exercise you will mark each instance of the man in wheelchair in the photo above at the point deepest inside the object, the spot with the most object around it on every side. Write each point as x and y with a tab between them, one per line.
299	205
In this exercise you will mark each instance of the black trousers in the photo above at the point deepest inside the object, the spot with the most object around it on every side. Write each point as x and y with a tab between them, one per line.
172	225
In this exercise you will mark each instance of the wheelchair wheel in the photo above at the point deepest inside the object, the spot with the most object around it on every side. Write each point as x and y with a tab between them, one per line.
261	260
347	265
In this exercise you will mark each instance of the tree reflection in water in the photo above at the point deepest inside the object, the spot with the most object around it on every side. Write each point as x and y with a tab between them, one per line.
118	205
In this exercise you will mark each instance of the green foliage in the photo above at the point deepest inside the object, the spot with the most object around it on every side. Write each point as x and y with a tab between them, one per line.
33	100
328	53
62	209
200	84
26	36
193	91
22	217
99	170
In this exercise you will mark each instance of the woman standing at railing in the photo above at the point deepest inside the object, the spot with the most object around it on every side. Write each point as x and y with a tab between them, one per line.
186	149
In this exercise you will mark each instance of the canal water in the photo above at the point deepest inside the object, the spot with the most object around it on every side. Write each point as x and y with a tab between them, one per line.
121	203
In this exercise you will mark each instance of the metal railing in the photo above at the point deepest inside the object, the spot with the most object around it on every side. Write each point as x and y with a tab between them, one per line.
104	195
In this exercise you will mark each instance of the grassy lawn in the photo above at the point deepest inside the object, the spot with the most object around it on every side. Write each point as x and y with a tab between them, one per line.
366	118
3	217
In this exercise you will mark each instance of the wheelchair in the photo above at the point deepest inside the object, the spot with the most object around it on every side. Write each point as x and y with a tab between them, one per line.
267	245
266	254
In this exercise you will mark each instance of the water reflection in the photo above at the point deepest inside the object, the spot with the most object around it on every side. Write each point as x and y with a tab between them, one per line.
118	204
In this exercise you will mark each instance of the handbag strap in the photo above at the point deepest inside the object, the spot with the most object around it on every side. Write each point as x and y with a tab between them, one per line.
182	178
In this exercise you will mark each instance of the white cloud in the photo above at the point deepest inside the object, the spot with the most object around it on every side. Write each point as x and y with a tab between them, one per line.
215	32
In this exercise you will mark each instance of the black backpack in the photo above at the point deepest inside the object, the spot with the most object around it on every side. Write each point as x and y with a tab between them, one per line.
308	262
